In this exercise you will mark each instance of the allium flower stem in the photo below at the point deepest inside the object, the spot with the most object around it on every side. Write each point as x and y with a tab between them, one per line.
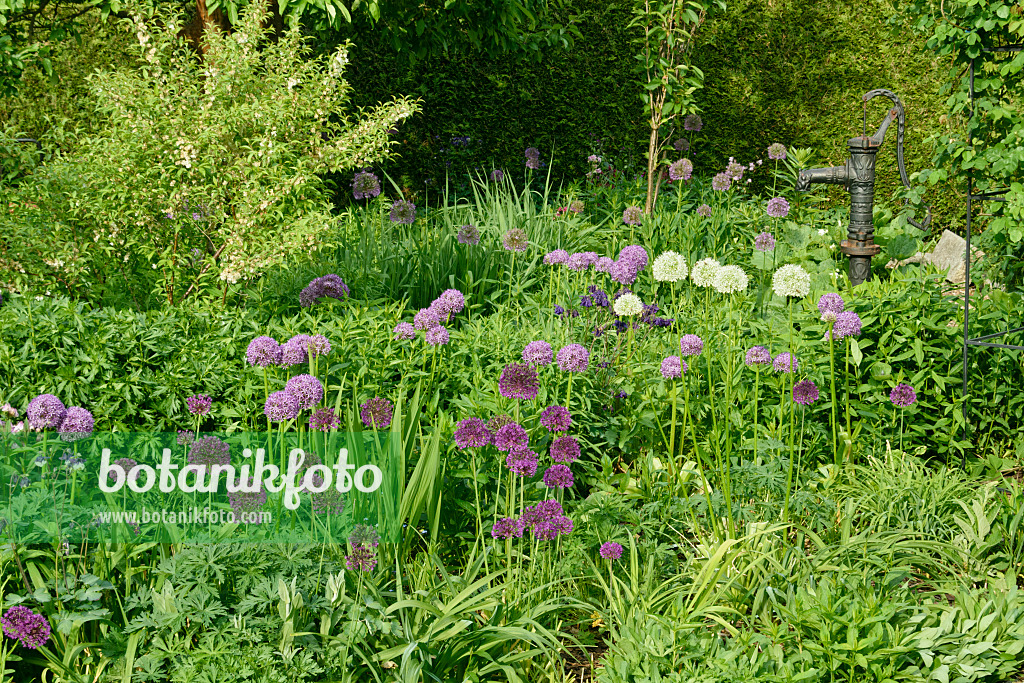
757	387
705	483
672	438
792	427
832	366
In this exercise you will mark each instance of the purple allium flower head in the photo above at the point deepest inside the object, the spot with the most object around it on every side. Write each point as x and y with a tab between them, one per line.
25	626
538	353
511	436
558	477
328	286
126	465
758	356
550	529
847	325
404	331
635	255
245	503
690	345
721	182
604	265
263	351
576	206
364	536
208	451
778	207
365	185
681	170
295	351
610	550
426	318
631	216
45	410
704	210
903	395
522	461
515	240
573	358
555	257
497	175
506	527
403	211
186	437
436	336
785	362
830	306
468	234
498	421
805	392
306	389
764	242
532	158
777	151
623	272
472	433
450	302
376	413
565	449
681	145
693	123
556	418
362	559
324	420
77	424
577	262
280	406
519	381
199	404
318	346
734	170
672	367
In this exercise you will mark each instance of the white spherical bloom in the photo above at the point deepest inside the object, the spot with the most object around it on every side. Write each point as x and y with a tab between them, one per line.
628	304
730	279
669	267
704	271
791	280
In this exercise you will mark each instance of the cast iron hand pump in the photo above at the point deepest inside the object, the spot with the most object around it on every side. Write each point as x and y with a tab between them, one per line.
858	177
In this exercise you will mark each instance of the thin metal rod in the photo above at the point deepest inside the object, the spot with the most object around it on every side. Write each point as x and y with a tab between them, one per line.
997	346
967	266
1016	47
997	334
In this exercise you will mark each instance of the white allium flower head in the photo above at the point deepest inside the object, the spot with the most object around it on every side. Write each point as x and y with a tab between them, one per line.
704	271
730	279
669	267
791	280
628	304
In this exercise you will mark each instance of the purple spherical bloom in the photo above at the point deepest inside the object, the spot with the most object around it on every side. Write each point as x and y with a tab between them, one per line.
318	346
690	345
362	559
365	185
565	449
604	265
45	410
497	175
515	240
635	255
785	362
511	436
450	302
704	210
281	405
295	351
208	451
472	433
681	145
830	306
77	424
25	626
903	395
538	353
306	389
556	256
573	358
532	158
556	418
550	529
764	242
558	477
721	182
519	381
847	325
245	503
437	336
468	234
778	207
681	170
321	288
263	351
506	527
324	420
776	151
186	437
631	216
805	392
404	331
376	413
672	367
126	465
610	551
623	272
522	461
199	404
758	356
403	211
426	318
577	262
693	123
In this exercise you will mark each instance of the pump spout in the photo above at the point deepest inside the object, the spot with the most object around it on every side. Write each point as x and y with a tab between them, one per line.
833	175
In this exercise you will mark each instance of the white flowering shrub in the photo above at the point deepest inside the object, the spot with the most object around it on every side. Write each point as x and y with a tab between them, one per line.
206	171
